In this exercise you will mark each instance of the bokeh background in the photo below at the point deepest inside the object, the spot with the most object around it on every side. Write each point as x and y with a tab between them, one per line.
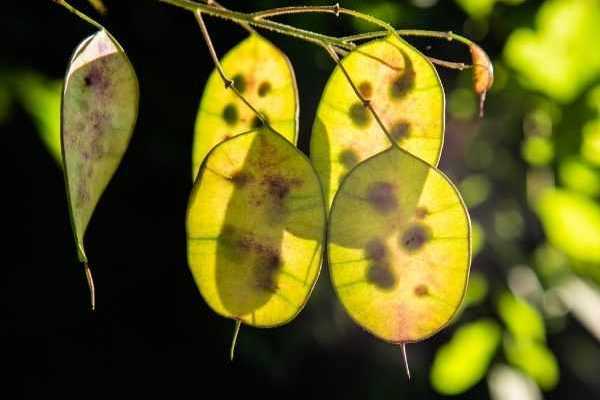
529	172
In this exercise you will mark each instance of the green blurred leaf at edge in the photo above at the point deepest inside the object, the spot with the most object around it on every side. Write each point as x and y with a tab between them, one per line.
524	346
479	9
462	362
562	56
572	224
534	359
40	97
522	320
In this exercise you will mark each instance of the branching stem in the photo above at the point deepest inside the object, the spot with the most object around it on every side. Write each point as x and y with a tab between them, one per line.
365	102
347	43
229	83
449	36
240	17
247	27
79	14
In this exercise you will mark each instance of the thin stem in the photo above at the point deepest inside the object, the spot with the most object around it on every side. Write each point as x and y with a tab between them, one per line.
259	19
79	13
369	18
449	64
240	17
90	282
236	331
337	10
366	102
247	27
405	359
229	83
334	9
449	36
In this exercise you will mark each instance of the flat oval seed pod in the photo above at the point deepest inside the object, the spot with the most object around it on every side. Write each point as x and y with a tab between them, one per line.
99	111
265	77
399	247
255	226
406	93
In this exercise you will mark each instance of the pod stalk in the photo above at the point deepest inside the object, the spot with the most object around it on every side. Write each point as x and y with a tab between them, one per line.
236	331
405	359
90	281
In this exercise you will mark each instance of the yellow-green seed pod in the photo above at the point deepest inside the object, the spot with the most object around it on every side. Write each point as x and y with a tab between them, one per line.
255	227
264	76
404	89
399	246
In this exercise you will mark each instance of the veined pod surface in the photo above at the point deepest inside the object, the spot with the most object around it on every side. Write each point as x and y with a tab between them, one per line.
404	89
99	111
399	246
265	77
255	228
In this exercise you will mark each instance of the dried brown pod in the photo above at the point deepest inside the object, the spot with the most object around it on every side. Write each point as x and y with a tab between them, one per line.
483	73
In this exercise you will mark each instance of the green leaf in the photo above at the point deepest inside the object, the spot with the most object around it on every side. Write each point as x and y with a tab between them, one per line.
255	227
572	224
580	176
563	45
522	320
538	150
399	246
534	359
99	111
462	362
41	98
405	91
590	145
264	76
480	9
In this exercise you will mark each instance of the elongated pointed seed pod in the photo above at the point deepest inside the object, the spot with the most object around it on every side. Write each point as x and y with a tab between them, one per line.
99	111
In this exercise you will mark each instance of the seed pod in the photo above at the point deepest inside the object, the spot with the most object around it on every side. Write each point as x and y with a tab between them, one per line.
405	91
399	246
483	73
265	77
255	227
99	111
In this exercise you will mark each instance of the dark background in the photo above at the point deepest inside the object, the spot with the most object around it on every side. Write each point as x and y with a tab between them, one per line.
152	335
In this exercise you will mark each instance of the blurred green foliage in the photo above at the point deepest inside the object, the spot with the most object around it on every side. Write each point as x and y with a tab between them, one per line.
534	359
521	319
562	55
572	223
462	362
40	98
482	8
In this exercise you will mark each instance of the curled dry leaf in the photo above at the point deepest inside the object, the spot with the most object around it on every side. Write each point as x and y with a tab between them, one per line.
483	73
